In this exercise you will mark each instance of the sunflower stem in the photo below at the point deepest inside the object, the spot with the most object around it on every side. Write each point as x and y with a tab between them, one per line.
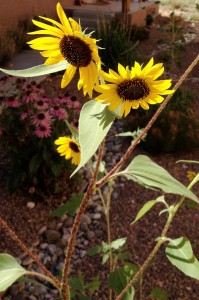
65	290
148	126
160	241
13	235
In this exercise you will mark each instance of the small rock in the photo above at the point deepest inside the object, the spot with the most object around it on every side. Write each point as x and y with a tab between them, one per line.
52	236
115	195
90	234
43	246
31	297
99	209
36	242
27	261
52	249
68	222
84	226
42	230
85	243
85	219
96	197
52	224
59	225
30	205
63	218
46	259
82	253
97	216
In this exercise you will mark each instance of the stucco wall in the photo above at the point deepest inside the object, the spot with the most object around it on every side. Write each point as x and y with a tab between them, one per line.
11	11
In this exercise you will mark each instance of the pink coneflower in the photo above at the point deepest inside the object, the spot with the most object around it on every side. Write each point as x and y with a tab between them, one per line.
41	103
72	102
59	112
37	87
24	115
43	131
61	100
41	118
29	96
11	102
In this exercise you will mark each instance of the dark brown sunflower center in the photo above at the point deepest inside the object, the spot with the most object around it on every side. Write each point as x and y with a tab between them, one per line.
133	89
74	147
75	51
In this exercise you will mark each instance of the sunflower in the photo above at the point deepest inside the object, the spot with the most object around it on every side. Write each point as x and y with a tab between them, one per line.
66	41
130	88
69	148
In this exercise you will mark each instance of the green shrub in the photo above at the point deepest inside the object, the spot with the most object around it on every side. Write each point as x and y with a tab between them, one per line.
120	43
13	41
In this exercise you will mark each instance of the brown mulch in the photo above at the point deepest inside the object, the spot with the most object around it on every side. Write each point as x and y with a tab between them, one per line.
26	222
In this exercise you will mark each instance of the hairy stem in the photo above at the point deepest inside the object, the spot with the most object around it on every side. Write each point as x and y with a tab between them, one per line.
26	250
65	292
148	126
157	246
108	205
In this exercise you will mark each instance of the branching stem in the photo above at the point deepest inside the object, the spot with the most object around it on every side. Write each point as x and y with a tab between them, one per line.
26	250
148	126
65	292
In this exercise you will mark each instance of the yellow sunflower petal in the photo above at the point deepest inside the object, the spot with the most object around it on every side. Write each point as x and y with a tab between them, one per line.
76	159
109	77
137	68
54	29
144	105
135	104
68	76
68	154
54	60
60	26
45	41
147	68
50	53
43	31
122	71
64	20
62	140
75	26
44	47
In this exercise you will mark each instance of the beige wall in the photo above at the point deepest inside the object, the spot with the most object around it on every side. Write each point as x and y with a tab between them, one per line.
11	11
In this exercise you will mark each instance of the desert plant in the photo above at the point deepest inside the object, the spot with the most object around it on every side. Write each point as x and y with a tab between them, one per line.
119	41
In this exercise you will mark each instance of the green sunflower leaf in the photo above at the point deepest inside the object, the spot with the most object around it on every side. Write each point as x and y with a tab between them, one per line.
70	207
120	278
147	206
143	170
180	254
37	70
94	123
10	271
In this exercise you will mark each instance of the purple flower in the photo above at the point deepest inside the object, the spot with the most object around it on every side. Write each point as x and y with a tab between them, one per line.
43	131
41	118
11	102
58	112
41	103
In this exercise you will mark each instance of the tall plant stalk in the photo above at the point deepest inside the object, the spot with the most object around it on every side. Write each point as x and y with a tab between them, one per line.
65	291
